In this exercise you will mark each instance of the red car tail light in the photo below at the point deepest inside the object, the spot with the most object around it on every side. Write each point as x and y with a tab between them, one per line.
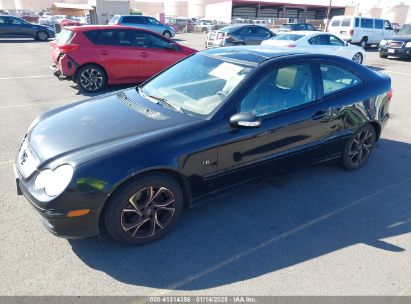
351	32
389	94
67	48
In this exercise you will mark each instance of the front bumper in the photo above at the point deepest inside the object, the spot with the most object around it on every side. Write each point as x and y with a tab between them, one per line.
395	52
55	219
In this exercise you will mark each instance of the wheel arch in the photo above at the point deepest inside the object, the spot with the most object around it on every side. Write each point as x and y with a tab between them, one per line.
90	63
377	127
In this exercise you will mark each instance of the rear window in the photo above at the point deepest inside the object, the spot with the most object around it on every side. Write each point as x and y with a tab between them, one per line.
64	36
367	23
92	36
336	22
114	19
134	19
291	37
346	22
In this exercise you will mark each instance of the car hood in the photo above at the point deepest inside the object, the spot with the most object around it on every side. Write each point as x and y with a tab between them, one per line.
404	38
84	130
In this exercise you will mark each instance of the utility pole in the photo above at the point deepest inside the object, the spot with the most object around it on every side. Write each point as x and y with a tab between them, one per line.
329	10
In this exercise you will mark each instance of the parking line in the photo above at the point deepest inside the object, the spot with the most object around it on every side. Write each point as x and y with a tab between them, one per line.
26	77
249	251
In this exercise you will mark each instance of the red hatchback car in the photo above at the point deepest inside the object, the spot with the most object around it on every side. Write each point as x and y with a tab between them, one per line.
94	56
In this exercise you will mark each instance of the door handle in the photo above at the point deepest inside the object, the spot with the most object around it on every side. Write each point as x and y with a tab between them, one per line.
319	114
143	54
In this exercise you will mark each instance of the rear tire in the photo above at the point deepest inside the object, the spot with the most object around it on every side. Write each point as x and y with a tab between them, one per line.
144	210
359	148
363	42
42	36
91	78
383	56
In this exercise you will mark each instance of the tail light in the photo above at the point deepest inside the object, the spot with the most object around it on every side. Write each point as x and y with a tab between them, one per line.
389	94
351	32
67	48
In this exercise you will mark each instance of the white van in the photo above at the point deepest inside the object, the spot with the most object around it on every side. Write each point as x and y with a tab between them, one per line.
362	30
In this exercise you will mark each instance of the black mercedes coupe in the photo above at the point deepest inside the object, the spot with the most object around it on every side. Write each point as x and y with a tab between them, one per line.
130	161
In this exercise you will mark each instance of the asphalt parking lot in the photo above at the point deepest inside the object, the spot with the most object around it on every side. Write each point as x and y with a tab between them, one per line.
320	231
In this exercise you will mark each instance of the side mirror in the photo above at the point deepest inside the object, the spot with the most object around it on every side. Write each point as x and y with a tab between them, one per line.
346	43
173	46
245	120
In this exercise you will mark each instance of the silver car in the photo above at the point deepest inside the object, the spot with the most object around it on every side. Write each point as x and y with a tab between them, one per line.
145	22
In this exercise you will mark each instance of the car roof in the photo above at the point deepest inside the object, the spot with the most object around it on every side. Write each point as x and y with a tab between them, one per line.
303	33
84	28
240	25
251	54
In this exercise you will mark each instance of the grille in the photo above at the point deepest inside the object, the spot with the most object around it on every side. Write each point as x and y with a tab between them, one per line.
139	108
395	44
27	162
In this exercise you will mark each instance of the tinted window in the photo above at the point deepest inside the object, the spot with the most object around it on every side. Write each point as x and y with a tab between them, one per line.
17	21
336	22
320	40
147	40
114	19
379	24
367	23
114	37
260	32
357	22
246	31
346	22
310	27
279	90
3	20
336	79
134	20
92	36
335	41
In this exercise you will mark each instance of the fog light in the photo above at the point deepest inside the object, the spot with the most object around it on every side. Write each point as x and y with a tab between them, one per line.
79	212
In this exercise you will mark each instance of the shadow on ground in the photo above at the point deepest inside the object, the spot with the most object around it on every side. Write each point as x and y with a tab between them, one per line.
21	40
269	225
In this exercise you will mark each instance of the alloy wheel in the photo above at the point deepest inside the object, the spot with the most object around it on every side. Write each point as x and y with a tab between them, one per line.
357	58
91	79
361	147
167	35
148	211
42	36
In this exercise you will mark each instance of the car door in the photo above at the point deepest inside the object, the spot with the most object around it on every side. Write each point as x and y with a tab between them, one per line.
294	124
154	53
4	26
117	53
154	25
21	28
367	29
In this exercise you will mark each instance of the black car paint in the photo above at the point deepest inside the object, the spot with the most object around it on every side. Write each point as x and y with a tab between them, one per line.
402	52
237	38
109	143
24	30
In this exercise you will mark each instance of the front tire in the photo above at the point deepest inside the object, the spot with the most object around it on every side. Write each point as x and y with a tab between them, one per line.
42	36
91	78
359	148
144	210
167	34
363	42
358	58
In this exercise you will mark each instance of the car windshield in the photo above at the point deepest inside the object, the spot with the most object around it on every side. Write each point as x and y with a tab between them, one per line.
291	37
406	30
196	85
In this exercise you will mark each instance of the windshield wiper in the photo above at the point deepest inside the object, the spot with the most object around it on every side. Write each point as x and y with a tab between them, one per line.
161	100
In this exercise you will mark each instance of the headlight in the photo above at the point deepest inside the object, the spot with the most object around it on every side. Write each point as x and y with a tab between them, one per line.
54	181
408	45
383	42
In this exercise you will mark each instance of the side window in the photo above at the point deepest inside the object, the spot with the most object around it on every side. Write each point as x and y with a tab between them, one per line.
379	24
367	23
153	21
262	32
387	25
113	37
336	79
357	22
320	40
16	21
310	27
2	20
346	22
246	31
279	90
147	40
336	41
92	36
336	22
